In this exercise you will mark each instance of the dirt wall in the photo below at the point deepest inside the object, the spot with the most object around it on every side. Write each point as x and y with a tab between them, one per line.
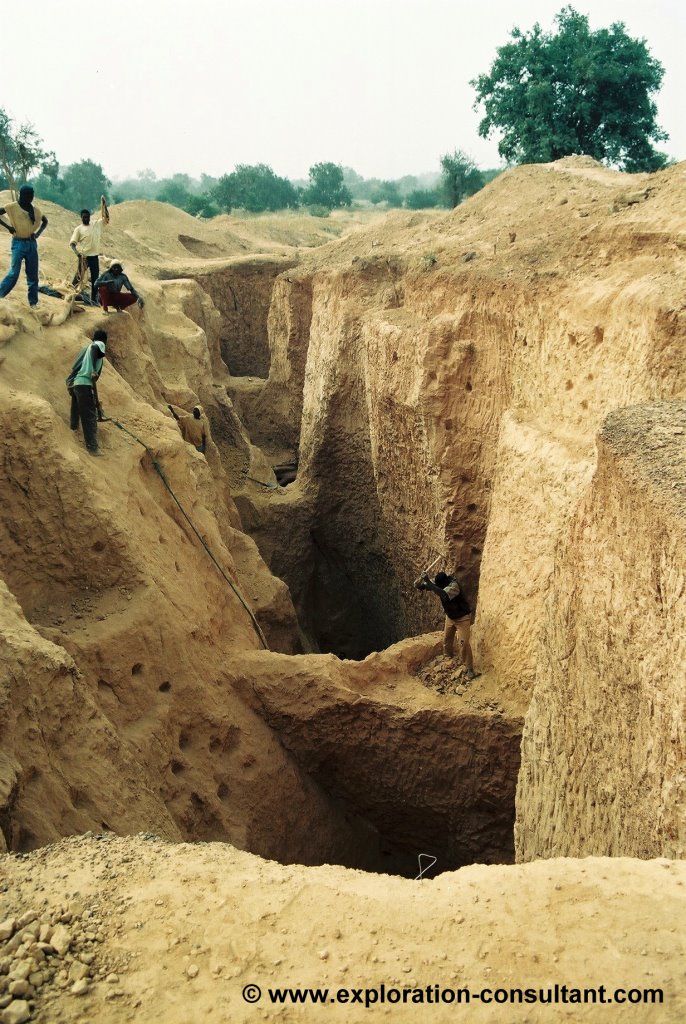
420	375
131	619
429	773
443	377
603	747
241	292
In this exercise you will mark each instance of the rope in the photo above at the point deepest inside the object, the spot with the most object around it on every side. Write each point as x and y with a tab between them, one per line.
160	473
269	486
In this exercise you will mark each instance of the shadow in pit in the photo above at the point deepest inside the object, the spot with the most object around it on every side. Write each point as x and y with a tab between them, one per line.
435	781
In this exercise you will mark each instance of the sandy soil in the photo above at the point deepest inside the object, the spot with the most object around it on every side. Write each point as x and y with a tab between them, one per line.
443	377
152	932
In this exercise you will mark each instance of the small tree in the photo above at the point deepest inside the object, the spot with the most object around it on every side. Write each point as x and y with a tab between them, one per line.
326	187
48	184
255	188
573	91
387	192
224	193
460	177
175	193
206	208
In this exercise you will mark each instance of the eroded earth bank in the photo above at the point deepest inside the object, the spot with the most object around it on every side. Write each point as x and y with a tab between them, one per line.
227	648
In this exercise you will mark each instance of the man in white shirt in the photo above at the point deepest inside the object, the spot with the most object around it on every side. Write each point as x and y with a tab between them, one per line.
86	242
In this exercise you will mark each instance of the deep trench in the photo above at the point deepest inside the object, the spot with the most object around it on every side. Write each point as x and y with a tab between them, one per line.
437	784
431	782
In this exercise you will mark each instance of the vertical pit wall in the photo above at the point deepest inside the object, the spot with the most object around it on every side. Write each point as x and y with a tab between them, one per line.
241	292
417	401
428	774
400	417
604	746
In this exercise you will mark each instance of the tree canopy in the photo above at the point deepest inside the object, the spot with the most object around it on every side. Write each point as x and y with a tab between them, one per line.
573	91
326	187
254	188
21	151
84	183
76	187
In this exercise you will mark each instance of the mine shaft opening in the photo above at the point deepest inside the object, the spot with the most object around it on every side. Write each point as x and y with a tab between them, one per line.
337	553
438	781
440	785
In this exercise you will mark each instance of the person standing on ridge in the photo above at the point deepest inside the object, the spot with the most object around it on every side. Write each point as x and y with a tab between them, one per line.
109	286
457	615
81	385
26	225
86	242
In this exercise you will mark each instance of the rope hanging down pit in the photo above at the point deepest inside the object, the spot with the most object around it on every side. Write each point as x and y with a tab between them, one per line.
160	473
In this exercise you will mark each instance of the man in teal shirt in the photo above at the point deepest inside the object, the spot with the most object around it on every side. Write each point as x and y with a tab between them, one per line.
81	384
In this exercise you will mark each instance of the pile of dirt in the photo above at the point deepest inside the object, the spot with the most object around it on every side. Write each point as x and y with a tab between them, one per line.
448	677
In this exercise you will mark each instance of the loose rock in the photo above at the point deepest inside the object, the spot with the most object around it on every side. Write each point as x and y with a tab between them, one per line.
61	940
16	1013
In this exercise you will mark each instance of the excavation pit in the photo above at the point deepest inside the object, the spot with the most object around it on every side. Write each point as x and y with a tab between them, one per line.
417	769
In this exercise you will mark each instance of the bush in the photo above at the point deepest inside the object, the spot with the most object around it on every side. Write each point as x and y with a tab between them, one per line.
318	211
423	199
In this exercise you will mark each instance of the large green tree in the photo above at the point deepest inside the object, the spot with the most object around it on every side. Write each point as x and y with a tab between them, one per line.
84	183
77	186
553	94
326	187
254	188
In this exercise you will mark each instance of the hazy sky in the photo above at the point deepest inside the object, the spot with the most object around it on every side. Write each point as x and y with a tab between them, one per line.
201	85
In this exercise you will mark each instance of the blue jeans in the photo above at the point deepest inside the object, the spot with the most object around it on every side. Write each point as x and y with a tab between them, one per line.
25	249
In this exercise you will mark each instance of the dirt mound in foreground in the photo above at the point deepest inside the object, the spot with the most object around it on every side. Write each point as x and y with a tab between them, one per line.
151	932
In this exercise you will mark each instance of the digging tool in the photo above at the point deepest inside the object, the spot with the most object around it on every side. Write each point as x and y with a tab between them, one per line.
425	574
429	567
